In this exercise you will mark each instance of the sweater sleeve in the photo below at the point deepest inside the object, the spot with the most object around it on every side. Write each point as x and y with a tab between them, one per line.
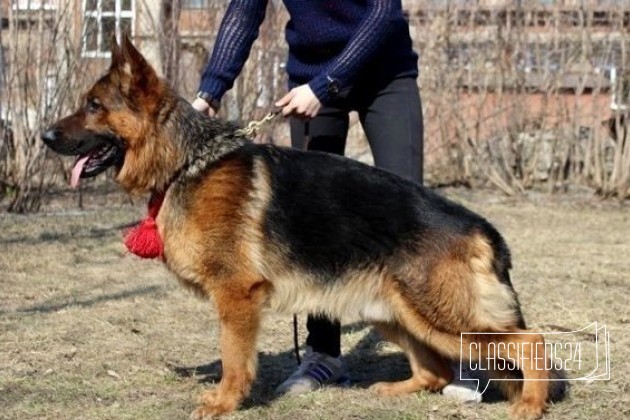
237	32
362	46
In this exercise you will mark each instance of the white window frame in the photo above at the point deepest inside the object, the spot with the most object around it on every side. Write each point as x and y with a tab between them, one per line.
619	88
99	14
33	5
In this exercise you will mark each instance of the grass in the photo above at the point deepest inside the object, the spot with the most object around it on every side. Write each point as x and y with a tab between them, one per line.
89	332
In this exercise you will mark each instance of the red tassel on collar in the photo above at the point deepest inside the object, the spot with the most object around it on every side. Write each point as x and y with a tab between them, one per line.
144	239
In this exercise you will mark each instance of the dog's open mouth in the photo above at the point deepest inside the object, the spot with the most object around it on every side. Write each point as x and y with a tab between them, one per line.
94	162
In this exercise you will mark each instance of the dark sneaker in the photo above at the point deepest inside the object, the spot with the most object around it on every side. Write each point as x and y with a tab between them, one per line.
315	371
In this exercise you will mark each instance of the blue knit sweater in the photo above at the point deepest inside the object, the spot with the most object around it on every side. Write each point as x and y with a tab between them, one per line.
343	41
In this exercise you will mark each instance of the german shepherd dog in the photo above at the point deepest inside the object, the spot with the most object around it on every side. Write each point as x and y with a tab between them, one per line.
258	226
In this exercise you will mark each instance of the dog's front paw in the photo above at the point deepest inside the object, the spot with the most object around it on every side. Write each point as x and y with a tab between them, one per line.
200	413
203	413
384	389
211	406
207	412
208	397
391	389
526	410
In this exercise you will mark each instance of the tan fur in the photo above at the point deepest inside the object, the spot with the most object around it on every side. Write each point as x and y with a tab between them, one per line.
140	161
201	247
354	296
462	279
495	301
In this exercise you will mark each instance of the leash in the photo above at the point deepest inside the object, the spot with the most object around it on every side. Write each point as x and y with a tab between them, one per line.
296	344
252	129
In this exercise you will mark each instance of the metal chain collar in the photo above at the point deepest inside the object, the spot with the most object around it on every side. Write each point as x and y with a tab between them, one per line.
252	129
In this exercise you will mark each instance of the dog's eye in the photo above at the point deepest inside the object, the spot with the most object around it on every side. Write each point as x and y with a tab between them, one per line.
94	105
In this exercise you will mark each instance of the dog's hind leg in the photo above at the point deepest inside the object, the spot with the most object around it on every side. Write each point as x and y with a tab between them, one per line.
529	391
524	375
239	309
429	370
531	359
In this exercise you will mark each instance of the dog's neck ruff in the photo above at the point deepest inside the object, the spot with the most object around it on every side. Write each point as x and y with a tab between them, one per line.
144	239
205	154
204	140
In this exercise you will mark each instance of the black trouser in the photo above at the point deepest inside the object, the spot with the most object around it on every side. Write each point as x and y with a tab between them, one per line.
391	116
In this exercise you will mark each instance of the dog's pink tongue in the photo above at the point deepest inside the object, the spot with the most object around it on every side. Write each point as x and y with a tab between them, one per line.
76	171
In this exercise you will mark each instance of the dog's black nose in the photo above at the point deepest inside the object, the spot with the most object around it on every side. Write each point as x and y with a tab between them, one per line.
50	136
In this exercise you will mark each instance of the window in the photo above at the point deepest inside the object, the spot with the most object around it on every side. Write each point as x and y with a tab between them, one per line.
33	5
194	4
620	85
102	19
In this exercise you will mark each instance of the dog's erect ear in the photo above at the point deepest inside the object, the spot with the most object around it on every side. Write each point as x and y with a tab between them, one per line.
117	55
135	74
132	55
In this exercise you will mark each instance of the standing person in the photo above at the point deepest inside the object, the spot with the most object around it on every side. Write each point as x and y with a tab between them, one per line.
353	55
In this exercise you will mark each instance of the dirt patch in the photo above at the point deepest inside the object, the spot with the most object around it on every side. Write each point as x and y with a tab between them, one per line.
88	331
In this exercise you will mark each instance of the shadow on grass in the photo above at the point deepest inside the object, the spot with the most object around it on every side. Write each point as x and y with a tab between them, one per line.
54	307
69	236
364	364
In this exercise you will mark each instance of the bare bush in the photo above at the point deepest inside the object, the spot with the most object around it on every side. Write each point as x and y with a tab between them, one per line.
35	84
519	95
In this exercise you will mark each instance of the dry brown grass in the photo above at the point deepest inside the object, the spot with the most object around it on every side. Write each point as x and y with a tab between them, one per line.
89	332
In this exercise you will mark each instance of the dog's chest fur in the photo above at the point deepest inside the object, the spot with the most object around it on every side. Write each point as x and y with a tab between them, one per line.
202	222
182	248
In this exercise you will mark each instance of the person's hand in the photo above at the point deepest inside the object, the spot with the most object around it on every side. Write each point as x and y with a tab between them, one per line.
300	102
204	107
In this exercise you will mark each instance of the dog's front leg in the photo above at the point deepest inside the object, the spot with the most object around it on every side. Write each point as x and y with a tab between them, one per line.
239	312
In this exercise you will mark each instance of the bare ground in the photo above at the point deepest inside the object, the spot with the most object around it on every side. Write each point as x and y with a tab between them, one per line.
89	332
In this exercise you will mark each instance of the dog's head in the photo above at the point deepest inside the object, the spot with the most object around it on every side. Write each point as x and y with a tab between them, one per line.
115	125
